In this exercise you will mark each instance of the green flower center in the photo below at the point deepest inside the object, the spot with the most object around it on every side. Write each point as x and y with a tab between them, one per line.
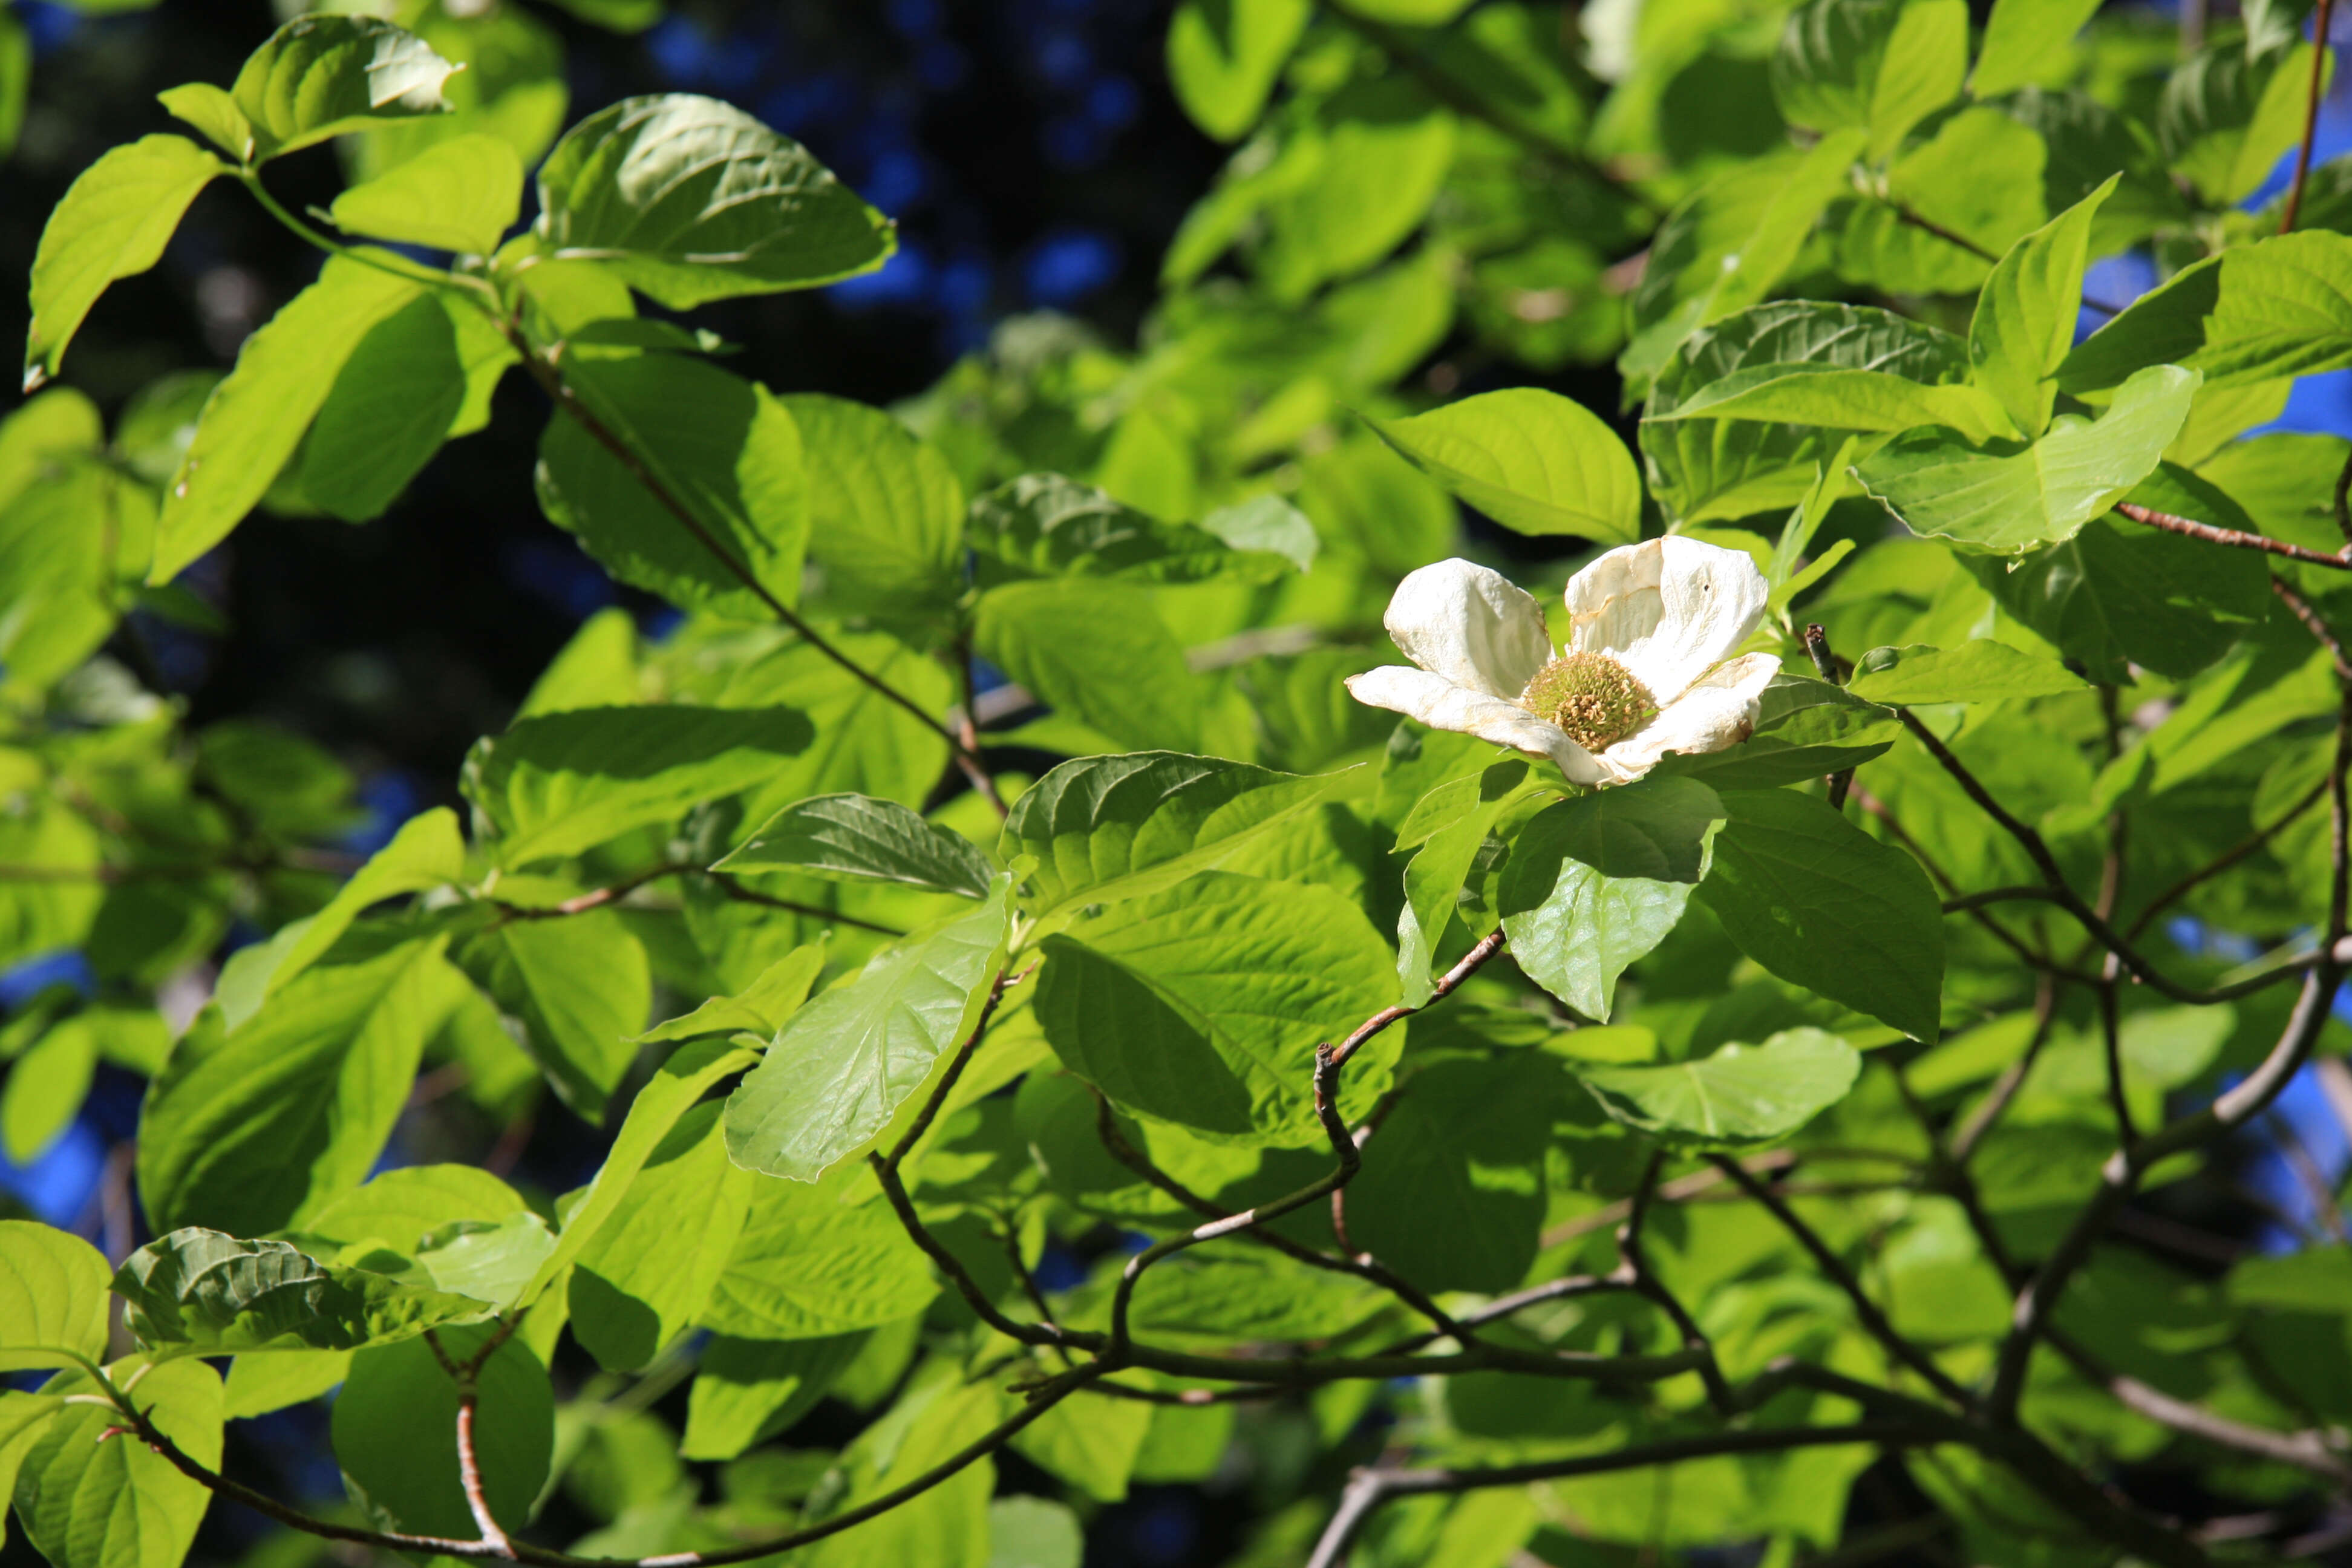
1592	697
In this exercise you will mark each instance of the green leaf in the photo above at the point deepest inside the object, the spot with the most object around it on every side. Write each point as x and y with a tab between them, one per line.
460	195
114	221
1724	248
647	1273
89	1502
427	852
261	1382
199	1292
485	1260
1572	929
1877	64
747	1391
1728	468
1823	905
760	1009
689	199
1451	1193
2278	306
23	1419
1267	524
1033	1532
1091	1445
1097	651
250	1132
1449	824
1225	55
2025	321
255	418
563	783
211	110
1832	398
855	838
52	1298
2119	592
1042	525
1658	829
394	403
885	512
842	1066
1202	1005
946	1527
1979	178
395	1434
55	843
582	987
2020	41
2010	497
1978	671
677	1085
1531	459
1223	1291
814	1261
720	447
2229	113
1376	153
510	85
319	77
1105	829
1741	1094
46	1087
398	1207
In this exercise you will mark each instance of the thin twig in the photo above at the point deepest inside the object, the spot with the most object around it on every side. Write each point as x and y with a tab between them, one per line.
2235	537
2228	858
2319	54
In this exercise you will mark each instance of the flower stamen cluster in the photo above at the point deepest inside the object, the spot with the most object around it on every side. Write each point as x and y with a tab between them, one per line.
1595	698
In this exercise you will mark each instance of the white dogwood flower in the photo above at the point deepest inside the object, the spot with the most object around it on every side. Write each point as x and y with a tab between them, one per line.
1647	669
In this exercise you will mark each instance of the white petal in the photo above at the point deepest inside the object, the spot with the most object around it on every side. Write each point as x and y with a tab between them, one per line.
1667	608
1441	705
1470	626
1719	710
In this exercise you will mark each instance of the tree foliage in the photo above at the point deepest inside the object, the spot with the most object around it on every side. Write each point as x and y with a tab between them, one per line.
1023	997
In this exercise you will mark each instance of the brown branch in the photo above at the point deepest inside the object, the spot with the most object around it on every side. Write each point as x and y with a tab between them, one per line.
2235	537
1471	961
2316	624
469	1472
2319	53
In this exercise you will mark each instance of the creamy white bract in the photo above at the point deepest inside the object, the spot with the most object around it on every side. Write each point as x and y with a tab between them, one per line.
1647	670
